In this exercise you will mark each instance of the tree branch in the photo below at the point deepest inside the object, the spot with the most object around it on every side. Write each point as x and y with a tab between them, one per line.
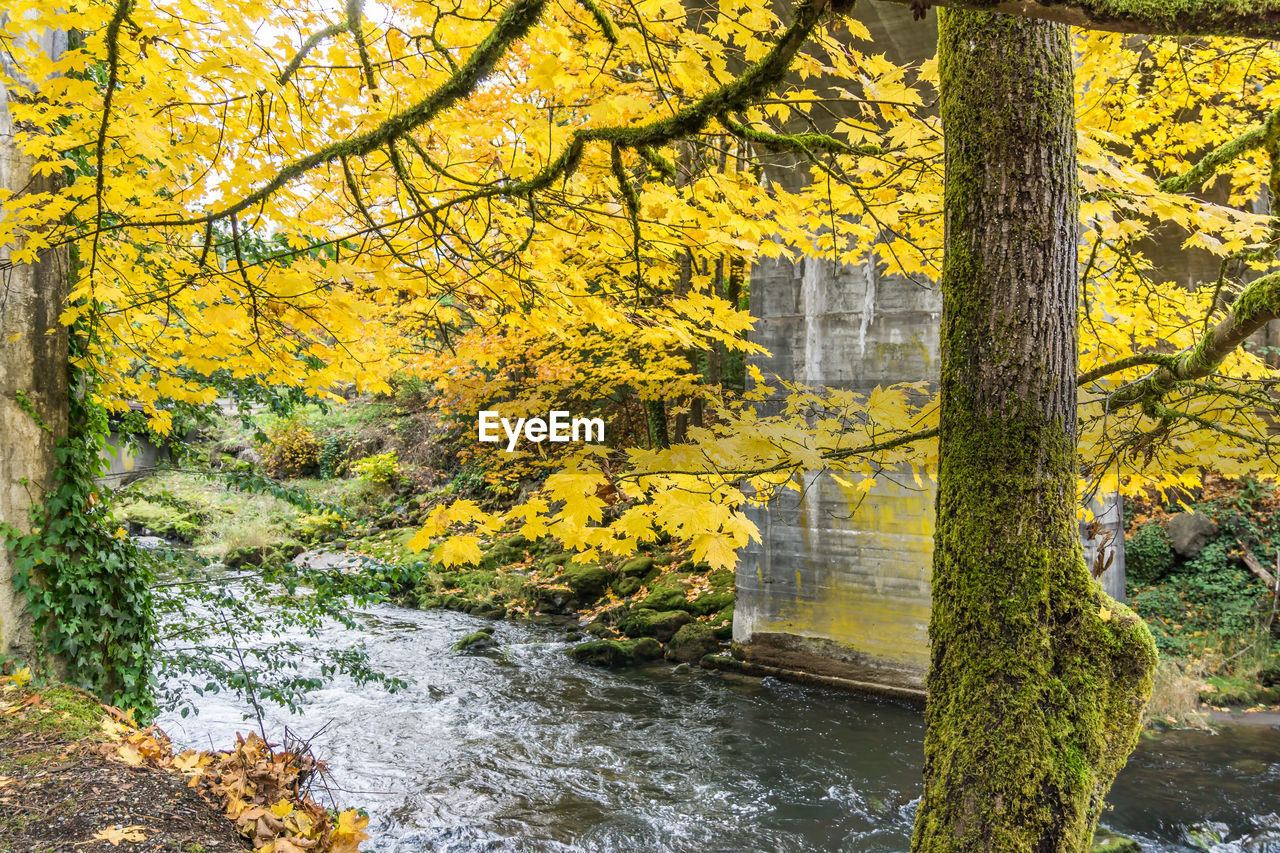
1258	19
1256	306
1208	165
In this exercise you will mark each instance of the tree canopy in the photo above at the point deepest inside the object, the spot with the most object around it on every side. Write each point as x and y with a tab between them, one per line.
555	205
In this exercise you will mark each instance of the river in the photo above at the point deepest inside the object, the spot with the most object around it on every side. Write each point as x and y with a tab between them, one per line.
521	749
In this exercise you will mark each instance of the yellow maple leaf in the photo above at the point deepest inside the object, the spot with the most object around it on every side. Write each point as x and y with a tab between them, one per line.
463	548
129	756
349	832
113	835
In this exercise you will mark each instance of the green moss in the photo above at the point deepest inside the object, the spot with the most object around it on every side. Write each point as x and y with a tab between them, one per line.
636	567
1105	841
587	582
482	638
553	561
711	602
723	623
691	642
661	624
666	596
624	587
617	652
505	552
72	716
163	520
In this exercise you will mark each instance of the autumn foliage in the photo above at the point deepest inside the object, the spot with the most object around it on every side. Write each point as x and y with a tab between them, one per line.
559	204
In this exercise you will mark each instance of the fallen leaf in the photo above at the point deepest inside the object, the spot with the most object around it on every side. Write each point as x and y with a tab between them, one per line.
115	834
129	756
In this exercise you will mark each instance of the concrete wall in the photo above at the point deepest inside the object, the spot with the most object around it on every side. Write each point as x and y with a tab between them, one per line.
840	586
128	459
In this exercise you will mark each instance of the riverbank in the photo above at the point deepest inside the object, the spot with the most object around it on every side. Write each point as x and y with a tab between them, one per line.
361	478
78	775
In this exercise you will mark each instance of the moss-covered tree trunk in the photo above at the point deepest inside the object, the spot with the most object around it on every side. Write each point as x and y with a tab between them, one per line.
1037	679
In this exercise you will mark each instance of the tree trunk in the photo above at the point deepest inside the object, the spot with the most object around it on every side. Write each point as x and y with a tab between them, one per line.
33	369
1037	679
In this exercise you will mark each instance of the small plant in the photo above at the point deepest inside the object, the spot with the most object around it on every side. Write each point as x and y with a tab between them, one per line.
291	450
333	457
318	526
382	469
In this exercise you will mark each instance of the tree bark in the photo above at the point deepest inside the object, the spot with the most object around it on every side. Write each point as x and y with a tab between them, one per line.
1037	679
33	369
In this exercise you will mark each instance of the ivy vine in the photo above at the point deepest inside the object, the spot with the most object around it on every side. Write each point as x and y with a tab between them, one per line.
88	588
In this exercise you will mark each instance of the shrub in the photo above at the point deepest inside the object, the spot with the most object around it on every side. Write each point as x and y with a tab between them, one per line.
318	526
1148	556
382	469
291	451
332	459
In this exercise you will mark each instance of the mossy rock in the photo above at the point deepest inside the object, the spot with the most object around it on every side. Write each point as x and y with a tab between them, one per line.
290	548
1204	836
636	567
624	587
724	631
587	582
481	639
552	561
617	652
712	602
691	642
247	555
664	597
552	599
598	628
660	624
501	555
163	520
1105	841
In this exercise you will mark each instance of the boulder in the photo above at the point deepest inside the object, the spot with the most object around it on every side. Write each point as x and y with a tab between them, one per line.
691	642
1189	532
475	641
660	624
636	567
587	582
1105	841
666	598
552	599
616	652
1205	836
712	602
624	587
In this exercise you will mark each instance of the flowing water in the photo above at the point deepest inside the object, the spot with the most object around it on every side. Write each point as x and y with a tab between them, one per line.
521	749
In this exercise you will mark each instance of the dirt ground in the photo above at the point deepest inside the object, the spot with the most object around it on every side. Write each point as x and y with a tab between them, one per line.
59	794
